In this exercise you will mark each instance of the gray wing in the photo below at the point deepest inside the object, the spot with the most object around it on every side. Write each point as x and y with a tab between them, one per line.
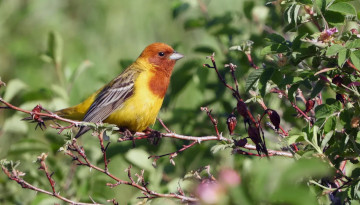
109	99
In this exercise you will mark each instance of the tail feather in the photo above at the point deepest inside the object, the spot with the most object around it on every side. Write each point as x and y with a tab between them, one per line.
69	113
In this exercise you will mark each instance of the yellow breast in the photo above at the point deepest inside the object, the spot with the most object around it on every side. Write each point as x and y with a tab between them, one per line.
140	110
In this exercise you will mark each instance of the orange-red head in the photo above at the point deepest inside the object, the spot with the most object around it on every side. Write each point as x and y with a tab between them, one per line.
161	56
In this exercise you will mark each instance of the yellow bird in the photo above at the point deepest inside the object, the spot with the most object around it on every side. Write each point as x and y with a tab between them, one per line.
133	99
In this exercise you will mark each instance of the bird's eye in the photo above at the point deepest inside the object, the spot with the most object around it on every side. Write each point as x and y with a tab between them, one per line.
161	53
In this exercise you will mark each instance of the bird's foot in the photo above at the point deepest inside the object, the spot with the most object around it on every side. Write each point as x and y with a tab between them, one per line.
127	135
154	136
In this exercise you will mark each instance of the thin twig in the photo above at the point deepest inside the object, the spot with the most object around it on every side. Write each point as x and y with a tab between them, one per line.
26	185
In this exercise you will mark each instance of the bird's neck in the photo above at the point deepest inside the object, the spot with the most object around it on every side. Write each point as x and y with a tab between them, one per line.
159	82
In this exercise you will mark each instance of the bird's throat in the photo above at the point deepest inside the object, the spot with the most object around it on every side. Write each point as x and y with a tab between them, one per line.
159	83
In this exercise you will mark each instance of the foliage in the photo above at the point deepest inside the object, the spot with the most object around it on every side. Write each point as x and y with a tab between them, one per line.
289	54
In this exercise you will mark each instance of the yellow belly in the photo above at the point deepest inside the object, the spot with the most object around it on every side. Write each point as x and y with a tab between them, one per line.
137	113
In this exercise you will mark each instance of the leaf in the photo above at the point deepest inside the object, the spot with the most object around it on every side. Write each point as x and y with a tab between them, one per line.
334	18
344	8
248	7
324	110
291	91
333	50
178	8
296	12
353	44
13	87
343	55
276	38
326	139
264	78
317	89
307	2
330	124
220	147
194	23
289	12
294	138
355	58
266	50
14	124
139	158
253	77
55	47
204	49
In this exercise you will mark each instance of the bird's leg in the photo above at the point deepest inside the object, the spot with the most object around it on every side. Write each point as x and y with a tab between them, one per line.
154	136
127	135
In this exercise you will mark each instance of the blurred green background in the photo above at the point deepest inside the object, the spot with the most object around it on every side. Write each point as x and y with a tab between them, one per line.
95	41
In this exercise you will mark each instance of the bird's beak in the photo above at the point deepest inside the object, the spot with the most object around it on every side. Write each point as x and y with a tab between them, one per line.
176	56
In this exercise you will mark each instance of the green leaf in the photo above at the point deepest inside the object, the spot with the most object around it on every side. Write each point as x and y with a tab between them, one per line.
297	41
330	124
178	8
317	89
353	44
264	78
266	50
195	23
296	13
204	49
324	110
291	91
334	18
248	7
355	58
13	87
55	47
289	13
326	139
344	8
343	55
220	147
307	2
14	124
333	50
253	77
276	38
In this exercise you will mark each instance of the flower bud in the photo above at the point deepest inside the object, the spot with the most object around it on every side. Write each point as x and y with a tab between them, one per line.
340	98
231	123
337	80
241	142
309	105
254	134
242	109
275	119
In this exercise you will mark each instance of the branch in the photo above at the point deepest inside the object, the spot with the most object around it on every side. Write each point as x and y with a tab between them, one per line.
276	90
16	175
74	147
49	114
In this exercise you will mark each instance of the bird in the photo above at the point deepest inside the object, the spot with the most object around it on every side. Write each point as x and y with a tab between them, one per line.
133	99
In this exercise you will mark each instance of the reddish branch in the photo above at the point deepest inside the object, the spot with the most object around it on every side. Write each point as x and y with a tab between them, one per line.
16	175
172	155
276	90
213	120
352	65
48	114
309	11
235	92
78	154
